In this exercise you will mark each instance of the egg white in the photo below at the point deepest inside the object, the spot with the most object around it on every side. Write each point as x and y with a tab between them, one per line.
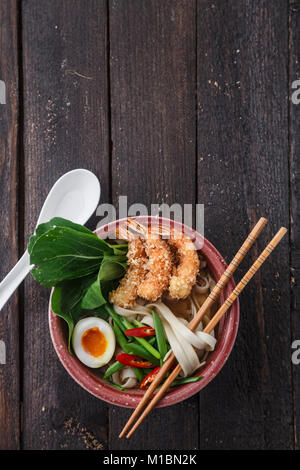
80	328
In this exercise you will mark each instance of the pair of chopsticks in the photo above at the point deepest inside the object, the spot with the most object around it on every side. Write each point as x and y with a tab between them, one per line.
200	314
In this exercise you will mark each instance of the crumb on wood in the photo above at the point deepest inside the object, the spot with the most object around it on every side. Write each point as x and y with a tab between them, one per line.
50	131
73	428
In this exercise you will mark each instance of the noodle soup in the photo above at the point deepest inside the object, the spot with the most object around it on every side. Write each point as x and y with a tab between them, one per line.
169	279
205	360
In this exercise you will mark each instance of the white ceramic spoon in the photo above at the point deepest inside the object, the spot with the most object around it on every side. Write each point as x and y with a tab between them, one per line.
74	196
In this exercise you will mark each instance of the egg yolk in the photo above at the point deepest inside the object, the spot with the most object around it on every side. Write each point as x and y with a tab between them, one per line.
94	342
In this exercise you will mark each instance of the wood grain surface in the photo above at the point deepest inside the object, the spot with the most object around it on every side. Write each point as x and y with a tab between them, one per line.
180	101
294	149
243	175
9	193
65	127
153	123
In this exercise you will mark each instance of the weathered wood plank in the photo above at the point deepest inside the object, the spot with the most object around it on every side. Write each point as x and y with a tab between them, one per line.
66	127
242	175
9	134
294	132
152	57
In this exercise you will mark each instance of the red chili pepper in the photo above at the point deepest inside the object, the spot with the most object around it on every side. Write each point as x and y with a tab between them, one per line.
134	361
141	332
149	378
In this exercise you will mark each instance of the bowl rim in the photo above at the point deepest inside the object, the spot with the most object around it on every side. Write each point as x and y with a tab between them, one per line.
87	379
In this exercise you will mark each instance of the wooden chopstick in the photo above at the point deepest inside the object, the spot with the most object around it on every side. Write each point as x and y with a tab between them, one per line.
253	235
222	310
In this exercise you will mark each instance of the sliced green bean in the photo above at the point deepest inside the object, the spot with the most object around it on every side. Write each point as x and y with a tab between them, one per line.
186	380
120	337
142	341
139	373
137	323
113	369
133	348
115	385
160	336
117	366
151	339
138	350
115	316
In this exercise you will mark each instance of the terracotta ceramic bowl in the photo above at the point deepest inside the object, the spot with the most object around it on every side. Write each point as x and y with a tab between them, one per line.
90	380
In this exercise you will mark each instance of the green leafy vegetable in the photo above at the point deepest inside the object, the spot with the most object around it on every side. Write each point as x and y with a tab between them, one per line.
82	267
93	297
53	223
64	253
61	250
112	268
66	301
97	312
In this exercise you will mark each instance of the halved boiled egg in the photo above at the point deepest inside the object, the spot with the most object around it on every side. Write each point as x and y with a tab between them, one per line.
93	341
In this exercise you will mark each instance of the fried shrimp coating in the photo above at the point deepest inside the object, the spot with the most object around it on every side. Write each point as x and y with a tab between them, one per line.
127	291
159	267
185	274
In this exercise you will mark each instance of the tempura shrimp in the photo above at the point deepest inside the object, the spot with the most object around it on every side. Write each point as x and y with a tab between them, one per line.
159	267
127	291
185	274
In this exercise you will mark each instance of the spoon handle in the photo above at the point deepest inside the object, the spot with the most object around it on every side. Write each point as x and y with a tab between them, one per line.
14	278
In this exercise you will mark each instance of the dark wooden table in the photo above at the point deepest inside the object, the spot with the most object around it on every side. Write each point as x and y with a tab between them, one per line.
166	101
